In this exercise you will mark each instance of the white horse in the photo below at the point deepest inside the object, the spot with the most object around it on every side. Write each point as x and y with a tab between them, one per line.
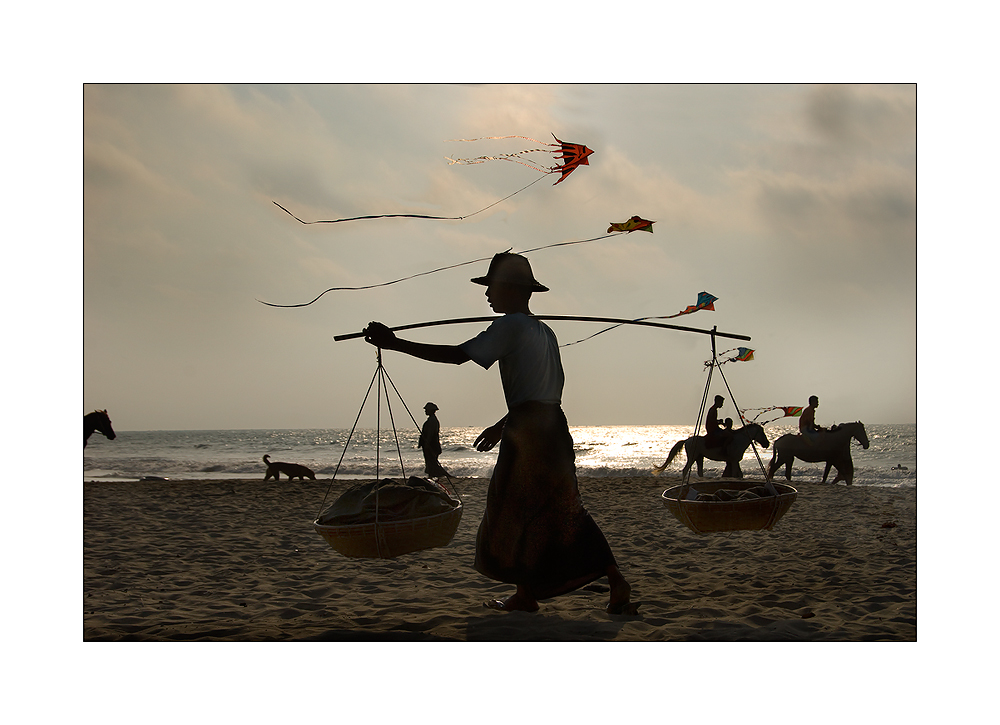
697	452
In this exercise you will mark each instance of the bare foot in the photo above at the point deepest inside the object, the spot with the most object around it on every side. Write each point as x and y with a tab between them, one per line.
623	608
620	602
518	602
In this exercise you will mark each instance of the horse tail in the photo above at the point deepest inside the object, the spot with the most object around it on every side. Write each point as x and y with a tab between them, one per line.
673	452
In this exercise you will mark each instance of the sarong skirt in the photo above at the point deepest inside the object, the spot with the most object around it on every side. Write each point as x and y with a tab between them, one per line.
536	532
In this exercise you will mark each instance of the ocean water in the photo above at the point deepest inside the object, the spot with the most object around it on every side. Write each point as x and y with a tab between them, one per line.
615	451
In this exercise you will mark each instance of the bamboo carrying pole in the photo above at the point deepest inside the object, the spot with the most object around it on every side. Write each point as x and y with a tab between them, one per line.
572	318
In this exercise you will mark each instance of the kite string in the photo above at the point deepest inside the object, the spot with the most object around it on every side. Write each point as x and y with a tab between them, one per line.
743	421
504	199
686	480
566	244
439	269
381	284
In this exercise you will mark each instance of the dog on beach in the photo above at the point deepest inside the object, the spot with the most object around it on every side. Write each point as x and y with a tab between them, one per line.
292	470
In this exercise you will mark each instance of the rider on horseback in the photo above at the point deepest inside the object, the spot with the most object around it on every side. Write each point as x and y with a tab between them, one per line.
715	435
807	423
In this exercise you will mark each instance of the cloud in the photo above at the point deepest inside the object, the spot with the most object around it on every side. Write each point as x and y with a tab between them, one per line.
780	200
863	118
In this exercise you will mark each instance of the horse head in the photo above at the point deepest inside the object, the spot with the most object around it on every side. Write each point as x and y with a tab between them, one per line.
100	421
860	434
104	425
756	431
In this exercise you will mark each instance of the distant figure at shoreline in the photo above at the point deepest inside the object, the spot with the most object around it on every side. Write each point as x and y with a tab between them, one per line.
430	443
99	421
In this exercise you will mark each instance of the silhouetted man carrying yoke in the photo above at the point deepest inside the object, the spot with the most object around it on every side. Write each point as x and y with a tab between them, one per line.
535	532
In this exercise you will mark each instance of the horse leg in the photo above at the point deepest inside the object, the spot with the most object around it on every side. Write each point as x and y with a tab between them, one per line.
845	470
701	466
772	466
826	471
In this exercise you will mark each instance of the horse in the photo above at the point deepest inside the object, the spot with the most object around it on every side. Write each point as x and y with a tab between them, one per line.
832	446
696	451
99	421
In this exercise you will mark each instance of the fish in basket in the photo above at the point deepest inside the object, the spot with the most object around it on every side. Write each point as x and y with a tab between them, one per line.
388	518
713	506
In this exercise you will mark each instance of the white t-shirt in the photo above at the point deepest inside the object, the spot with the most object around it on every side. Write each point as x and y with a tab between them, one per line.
530	366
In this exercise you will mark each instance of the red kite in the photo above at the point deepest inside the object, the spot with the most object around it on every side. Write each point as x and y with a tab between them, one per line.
571	154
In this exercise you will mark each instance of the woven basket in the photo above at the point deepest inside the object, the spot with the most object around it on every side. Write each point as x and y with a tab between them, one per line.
392	538
704	517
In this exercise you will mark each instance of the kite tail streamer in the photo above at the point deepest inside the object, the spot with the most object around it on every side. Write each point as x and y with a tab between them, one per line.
743	354
493	138
613	327
501	157
705	302
407	216
787	411
590	337
504	157
369	216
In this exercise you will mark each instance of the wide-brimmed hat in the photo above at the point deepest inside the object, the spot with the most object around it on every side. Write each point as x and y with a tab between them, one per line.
509	268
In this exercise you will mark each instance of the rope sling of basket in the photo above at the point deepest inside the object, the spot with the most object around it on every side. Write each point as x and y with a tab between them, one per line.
382	377
701	412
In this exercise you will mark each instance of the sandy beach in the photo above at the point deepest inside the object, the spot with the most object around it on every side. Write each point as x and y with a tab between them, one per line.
239	561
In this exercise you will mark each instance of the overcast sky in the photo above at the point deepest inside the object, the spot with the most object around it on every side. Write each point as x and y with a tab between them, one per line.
794	205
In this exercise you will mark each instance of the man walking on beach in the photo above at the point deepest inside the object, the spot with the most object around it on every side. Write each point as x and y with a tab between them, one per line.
535	532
